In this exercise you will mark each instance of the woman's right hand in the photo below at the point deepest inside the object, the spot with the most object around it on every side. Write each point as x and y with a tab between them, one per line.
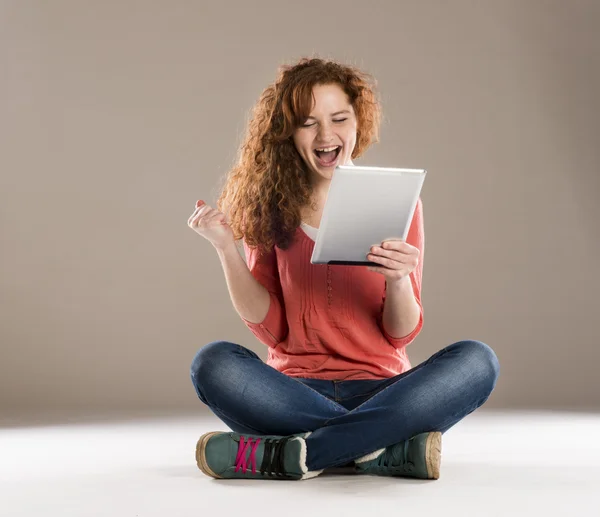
212	225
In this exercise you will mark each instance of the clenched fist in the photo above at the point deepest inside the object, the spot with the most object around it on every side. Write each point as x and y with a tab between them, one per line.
212	225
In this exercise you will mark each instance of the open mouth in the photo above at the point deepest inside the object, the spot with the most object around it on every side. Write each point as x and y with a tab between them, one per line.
327	156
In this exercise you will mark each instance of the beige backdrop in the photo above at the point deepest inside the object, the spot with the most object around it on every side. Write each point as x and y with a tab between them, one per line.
116	116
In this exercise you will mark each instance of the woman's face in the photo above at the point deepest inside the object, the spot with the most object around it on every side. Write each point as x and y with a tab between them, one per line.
328	136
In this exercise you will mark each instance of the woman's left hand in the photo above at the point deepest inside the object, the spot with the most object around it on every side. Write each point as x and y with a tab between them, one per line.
395	259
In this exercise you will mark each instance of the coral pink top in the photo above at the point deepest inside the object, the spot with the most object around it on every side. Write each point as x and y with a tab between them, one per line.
325	322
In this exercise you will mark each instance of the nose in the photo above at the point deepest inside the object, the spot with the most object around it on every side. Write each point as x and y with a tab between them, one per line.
325	134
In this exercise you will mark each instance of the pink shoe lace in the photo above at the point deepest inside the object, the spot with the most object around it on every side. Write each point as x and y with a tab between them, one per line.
240	460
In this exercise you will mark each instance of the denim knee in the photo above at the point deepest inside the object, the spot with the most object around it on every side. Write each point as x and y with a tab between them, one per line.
211	358
483	363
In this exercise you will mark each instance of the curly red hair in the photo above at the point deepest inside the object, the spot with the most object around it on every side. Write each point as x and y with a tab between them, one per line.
264	193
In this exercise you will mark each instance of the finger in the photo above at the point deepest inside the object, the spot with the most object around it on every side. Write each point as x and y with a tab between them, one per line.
396	245
392	254
199	207
203	212
389	263
191	218
211	218
403	250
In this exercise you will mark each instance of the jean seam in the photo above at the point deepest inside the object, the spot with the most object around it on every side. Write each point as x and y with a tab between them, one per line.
429	361
247	352
375	394
332	403
326	423
437	356
368	394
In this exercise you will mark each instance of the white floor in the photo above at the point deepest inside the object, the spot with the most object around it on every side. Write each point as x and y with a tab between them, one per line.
518	463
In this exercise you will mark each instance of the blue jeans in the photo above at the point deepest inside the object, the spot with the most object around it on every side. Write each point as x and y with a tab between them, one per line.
348	419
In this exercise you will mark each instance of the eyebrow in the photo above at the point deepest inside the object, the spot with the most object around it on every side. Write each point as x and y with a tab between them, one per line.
334	114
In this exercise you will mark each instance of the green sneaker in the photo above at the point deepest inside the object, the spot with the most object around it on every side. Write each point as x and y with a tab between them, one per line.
236	456
418	457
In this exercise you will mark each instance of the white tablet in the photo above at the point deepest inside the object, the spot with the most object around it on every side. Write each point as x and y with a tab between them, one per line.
364	207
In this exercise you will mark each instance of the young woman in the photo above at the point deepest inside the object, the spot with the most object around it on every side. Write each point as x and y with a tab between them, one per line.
338	388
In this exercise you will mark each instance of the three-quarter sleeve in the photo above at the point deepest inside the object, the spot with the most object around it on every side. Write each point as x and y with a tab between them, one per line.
274	328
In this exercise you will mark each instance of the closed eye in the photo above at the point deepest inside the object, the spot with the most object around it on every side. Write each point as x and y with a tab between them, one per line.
335	120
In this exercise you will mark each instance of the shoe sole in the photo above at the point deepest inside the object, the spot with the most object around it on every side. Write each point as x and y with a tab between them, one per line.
201	455
433	454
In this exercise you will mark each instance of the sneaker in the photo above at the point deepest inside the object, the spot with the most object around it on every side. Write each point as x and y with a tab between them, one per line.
418	457
236	456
